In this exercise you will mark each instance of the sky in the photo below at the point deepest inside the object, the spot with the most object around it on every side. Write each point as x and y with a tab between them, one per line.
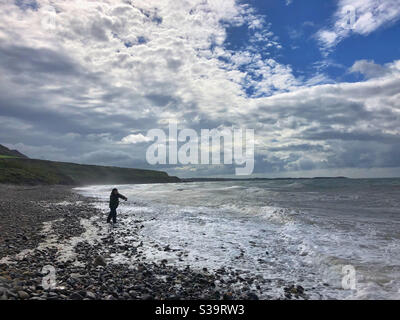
317	81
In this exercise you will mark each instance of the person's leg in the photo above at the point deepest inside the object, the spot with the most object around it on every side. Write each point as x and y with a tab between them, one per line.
109	216
114	217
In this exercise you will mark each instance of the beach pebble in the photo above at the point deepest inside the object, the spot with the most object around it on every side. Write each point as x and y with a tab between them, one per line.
99	261
252	296
23	295
75	296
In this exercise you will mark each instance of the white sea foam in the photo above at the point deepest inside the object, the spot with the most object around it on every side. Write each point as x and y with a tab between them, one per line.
65	247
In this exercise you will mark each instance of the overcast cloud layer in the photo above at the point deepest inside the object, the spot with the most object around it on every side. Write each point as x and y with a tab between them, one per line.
83	81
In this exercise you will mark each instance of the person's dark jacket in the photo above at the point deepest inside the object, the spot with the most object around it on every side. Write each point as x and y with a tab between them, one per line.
114	200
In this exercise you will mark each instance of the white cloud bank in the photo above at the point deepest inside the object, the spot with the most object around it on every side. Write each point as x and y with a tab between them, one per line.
85	78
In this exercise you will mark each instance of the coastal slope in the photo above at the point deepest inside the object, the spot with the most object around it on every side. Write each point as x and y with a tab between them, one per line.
16	168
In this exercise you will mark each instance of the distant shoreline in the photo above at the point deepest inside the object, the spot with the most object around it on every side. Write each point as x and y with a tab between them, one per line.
255	179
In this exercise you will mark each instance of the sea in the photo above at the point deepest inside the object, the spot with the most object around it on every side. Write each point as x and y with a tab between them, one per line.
338	238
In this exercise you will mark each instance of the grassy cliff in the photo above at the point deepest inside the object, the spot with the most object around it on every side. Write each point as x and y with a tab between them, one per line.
32	171
7	153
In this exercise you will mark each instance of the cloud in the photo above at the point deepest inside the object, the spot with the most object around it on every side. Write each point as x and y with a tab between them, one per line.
86	84
135	138
372	70
358	17
333	125
295	34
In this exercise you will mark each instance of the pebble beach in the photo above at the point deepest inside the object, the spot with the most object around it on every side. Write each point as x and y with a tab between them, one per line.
53	228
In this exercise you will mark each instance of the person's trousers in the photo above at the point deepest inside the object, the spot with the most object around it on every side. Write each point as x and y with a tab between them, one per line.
113	215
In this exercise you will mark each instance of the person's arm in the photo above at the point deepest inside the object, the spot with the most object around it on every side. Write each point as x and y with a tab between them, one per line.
122	196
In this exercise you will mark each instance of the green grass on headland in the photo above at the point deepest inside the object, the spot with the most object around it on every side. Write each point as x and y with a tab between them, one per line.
6	153
6	157
33	171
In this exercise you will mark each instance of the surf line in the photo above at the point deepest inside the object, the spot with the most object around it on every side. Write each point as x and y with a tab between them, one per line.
179	311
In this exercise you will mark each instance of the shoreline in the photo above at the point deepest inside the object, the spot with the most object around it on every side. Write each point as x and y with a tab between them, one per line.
55	226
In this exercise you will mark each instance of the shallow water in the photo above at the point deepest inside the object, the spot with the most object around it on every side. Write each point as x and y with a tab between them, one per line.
301	231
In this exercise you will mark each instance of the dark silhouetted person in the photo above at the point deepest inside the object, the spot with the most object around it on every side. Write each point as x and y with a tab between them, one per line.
114	202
